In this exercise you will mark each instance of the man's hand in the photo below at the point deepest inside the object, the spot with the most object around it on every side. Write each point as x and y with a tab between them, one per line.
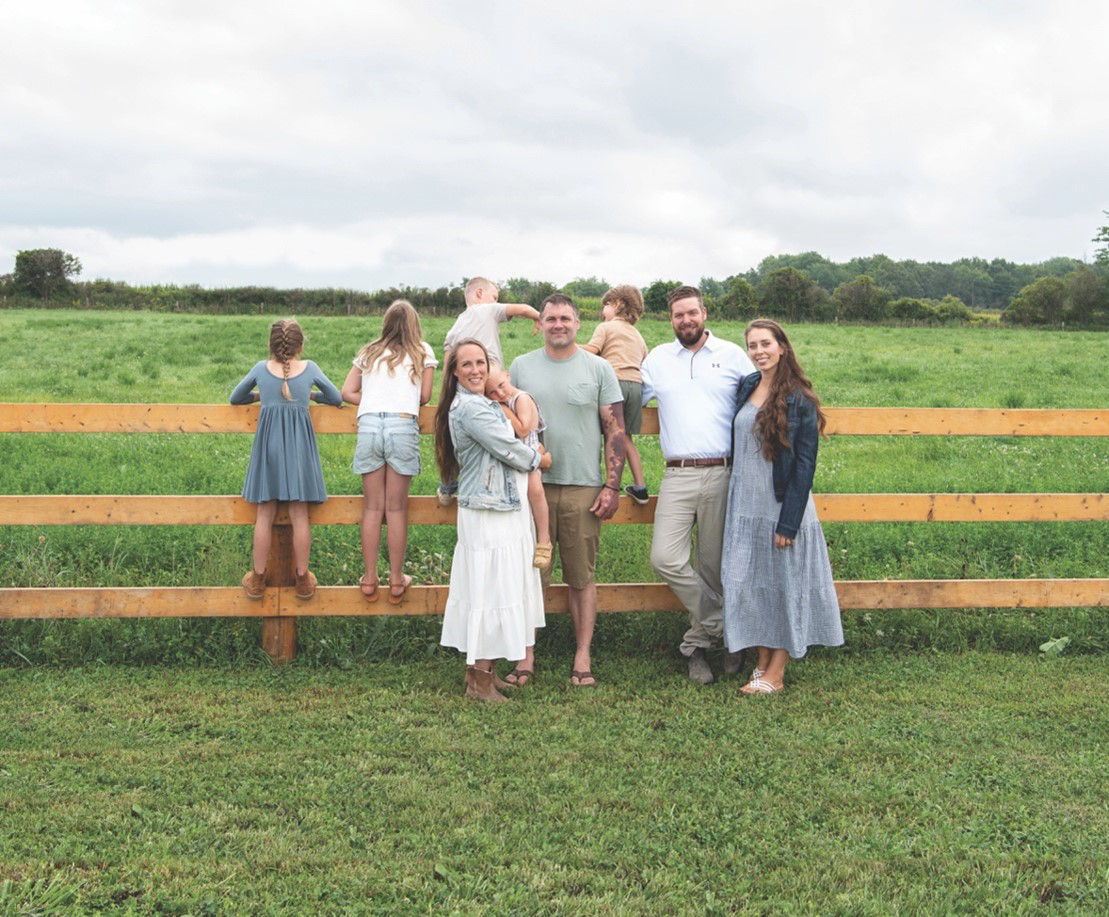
604	507
545	459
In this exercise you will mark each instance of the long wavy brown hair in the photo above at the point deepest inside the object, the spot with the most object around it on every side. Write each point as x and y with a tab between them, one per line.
286	341
444	445
772	422
400	337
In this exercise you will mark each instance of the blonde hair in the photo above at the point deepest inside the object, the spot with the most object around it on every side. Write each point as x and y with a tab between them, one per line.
286	341
629	302
401	337
474	283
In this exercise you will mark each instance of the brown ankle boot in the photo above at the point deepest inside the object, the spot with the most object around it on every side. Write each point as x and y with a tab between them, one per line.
254	584
479	685
305	585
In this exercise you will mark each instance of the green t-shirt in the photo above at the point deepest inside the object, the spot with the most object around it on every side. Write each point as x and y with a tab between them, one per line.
569	394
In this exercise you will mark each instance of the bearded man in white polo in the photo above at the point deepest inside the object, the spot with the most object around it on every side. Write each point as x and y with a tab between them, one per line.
694	380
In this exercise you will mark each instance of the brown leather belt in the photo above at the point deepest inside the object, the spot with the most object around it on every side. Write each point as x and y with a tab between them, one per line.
698	463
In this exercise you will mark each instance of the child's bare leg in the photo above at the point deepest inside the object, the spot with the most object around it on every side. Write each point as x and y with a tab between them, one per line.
634	461
537	500
263	534
396	518
373	512
539	514
302	535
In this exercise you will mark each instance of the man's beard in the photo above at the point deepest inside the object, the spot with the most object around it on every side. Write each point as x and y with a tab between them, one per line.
688	338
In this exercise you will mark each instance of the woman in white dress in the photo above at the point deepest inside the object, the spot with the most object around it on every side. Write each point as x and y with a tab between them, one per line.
495	601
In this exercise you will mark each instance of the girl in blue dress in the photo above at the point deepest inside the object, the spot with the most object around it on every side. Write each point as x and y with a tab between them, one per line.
284	460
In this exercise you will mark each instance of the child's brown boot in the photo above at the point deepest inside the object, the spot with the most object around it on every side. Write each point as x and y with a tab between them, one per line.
306	585
254	585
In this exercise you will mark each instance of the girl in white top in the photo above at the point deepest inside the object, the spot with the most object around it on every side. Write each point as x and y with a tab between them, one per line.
390	379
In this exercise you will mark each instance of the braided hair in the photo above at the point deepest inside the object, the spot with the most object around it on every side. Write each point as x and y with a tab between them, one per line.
286	341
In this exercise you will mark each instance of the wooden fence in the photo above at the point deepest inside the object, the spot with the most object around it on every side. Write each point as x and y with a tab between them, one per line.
279	609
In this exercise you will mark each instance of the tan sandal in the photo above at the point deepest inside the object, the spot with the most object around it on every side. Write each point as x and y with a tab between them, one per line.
542	556
369	588
395	598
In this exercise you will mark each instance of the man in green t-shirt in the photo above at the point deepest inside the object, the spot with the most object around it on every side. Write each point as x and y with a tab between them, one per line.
581	403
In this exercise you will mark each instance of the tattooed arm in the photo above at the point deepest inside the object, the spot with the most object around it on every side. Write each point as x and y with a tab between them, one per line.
612	426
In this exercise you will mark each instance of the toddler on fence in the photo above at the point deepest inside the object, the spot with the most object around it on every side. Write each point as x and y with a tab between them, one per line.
618	341
523	413
284	460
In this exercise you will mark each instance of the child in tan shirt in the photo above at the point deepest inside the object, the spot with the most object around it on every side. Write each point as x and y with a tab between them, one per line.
617	341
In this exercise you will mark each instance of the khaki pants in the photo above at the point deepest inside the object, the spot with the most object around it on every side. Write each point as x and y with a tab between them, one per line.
692	497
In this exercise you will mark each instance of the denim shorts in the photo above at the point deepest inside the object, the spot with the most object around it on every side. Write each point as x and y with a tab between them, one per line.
392	439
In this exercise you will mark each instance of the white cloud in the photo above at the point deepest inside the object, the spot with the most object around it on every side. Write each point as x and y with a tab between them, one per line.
370	144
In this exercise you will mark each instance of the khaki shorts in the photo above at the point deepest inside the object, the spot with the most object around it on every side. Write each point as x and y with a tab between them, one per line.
575	530
633	405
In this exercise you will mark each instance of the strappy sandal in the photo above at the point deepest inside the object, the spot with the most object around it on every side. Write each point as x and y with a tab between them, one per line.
542	556
369	588
760	686
395	598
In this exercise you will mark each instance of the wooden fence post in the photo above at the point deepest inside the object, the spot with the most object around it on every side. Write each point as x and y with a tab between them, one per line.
279	635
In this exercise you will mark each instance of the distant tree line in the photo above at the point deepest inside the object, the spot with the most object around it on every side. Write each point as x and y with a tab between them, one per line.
805	287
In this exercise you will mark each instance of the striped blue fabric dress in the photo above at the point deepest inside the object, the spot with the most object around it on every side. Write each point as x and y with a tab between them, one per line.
284	460
783	598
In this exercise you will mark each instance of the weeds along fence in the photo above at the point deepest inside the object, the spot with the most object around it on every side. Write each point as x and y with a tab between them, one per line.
279	609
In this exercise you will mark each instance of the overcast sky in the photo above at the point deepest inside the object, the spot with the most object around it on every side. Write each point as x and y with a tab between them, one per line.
367	144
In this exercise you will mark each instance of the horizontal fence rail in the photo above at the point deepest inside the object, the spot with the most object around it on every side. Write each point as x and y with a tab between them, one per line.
223	601
279	608
77	509
37	417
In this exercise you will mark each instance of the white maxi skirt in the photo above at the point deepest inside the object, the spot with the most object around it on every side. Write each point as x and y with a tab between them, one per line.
495	601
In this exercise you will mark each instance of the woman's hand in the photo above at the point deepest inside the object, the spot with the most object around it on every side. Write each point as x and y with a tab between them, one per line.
780	541
545	459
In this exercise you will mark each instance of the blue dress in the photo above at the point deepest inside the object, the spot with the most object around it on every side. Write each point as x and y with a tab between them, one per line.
284	460
775	597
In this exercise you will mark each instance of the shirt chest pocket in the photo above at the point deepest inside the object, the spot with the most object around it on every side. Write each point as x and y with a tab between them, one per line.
581	393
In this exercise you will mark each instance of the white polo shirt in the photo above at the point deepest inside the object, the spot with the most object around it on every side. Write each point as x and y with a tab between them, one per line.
696	395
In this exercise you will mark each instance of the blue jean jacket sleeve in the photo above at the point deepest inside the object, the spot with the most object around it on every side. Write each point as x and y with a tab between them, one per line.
804	438
486	424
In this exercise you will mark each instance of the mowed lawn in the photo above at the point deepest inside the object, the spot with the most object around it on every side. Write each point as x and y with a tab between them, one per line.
936	764
878	784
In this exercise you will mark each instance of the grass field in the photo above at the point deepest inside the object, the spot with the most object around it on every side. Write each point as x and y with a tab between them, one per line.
935	764
892	784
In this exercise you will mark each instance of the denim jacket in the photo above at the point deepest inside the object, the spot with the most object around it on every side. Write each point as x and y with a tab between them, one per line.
793	467
486	449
